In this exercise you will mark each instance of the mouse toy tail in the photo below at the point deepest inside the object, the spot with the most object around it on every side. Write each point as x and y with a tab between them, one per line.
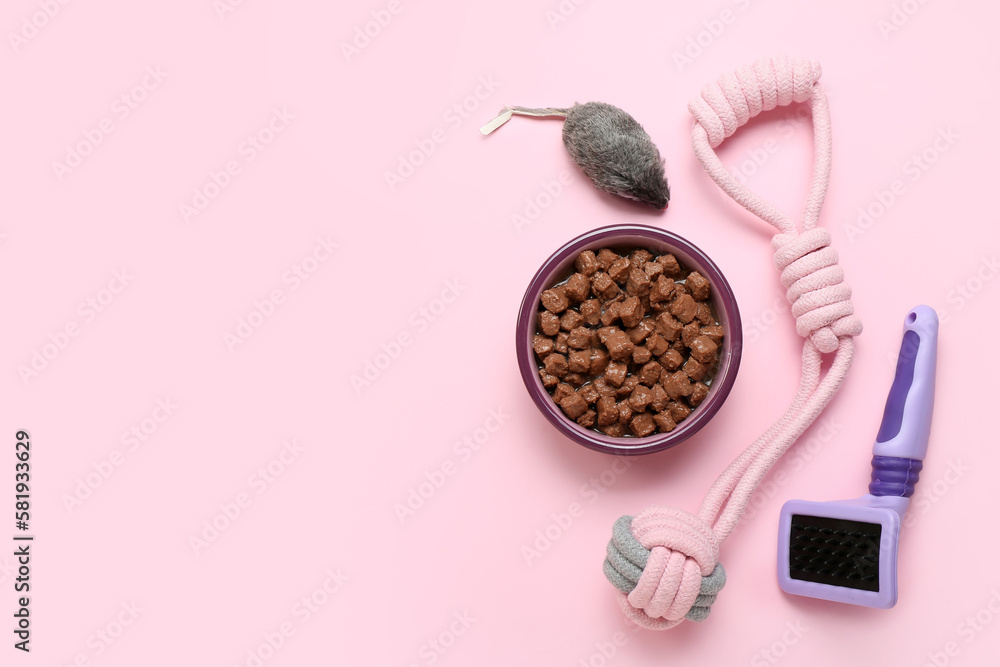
507	112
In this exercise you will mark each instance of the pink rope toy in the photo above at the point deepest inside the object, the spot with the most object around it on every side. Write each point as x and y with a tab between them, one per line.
665	561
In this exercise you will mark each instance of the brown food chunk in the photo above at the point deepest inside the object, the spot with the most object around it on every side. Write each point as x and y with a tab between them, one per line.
590	310
586	263
704	313
579	338
684	308
640	398
658	307
605	258
671	359
700	288
641	354
642	424
542	346
562	391
556	364
595	339
579	361
677	384
599	360
588	393
668	326
548	379
656	344
573	405
649	374
631	311
607	411
619	270
690	331
692	368
603	285
704	349
671	266
570	320
660	398
561	344
664	422
641	331
615	430
555	300
662	289
628	386
575	379
640	256
611	313
548	323
698	394
624	412
578	287
615	373
604	388
653	270
678	411
715	332
638	282
619	345
587	419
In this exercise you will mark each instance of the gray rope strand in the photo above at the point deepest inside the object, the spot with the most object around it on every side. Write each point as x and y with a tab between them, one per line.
627	557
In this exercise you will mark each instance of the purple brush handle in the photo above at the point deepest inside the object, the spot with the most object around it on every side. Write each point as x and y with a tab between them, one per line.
902	439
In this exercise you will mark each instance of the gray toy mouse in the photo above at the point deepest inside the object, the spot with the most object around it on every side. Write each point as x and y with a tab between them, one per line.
610	146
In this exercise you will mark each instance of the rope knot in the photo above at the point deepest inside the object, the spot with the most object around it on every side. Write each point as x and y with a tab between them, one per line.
821	300
665	564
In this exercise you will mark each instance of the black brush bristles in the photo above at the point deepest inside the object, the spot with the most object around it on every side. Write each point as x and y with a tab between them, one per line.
834	551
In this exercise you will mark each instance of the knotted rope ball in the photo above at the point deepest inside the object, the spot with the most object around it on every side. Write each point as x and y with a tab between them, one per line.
665	565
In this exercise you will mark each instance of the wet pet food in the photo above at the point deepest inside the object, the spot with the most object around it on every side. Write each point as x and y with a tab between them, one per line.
628	343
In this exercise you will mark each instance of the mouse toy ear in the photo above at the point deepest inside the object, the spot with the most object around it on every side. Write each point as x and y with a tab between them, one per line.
610	146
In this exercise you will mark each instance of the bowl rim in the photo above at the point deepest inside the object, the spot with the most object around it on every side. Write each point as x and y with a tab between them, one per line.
724	300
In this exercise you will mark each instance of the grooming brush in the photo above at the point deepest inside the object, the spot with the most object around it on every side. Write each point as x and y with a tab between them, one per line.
845	551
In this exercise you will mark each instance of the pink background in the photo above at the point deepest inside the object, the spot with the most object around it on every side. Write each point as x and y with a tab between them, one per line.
437	262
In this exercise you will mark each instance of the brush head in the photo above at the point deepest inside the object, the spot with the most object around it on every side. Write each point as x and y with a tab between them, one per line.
844	551
834	551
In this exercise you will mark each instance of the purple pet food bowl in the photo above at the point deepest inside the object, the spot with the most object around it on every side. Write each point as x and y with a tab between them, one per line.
558	267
